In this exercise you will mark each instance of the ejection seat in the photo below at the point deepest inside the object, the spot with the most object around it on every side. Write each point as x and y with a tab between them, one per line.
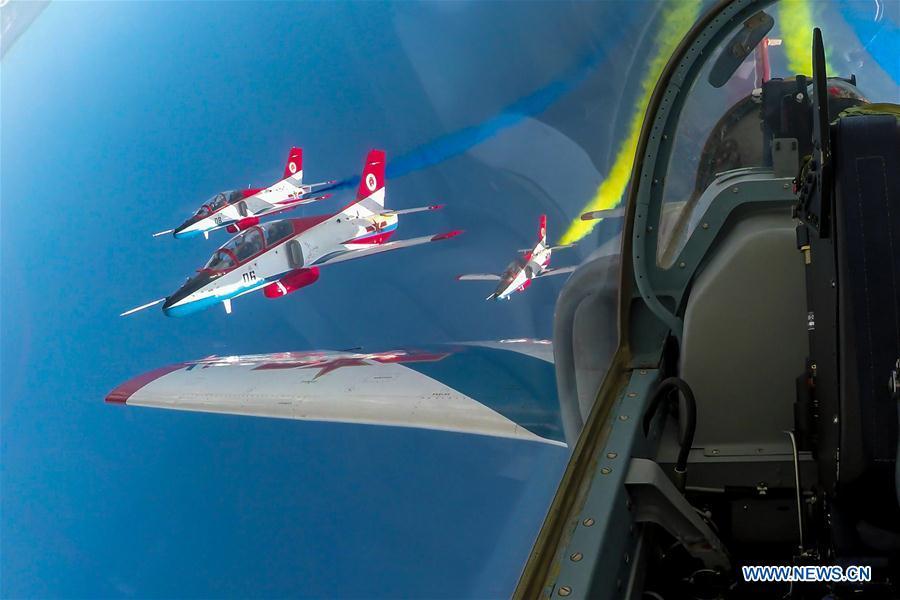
849	212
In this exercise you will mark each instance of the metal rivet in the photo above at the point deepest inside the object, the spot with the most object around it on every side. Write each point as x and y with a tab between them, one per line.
835	420
605	471
611	455
588	522
632	395
564	590
576	557
643	371
705	226
681	265
715	450
627	558
623	417
734	190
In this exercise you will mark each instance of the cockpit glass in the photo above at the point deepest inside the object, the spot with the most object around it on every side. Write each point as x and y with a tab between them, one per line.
220	261
720	130
275	231
213	204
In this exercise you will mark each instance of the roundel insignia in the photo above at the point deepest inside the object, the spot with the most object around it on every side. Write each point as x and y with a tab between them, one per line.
371	182
292	167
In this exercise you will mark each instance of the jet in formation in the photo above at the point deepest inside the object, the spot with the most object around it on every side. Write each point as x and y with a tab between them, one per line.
531	264
237	210
283	256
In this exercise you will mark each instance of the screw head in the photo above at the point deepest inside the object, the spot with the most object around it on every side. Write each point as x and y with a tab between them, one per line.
632	395
611	455
588	522
576	556
564	590
605	471
623	417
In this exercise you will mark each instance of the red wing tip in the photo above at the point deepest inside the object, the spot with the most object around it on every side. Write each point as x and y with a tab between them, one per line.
123	392
436	206
115	397
446	236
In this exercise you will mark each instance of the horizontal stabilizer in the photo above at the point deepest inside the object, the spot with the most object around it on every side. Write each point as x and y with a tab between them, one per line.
407	211
609	213
559	271
432	389
312	186
478	277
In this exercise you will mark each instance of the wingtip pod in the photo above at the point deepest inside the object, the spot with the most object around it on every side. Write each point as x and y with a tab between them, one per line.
446	236
294	163
372	178
542	228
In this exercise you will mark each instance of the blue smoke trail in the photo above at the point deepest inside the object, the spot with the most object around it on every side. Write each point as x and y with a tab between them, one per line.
456	143
879	37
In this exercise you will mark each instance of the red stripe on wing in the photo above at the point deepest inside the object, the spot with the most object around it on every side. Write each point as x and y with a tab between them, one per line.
122	393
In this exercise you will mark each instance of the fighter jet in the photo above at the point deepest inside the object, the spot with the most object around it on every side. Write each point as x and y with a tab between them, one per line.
530	264
236	210
283	256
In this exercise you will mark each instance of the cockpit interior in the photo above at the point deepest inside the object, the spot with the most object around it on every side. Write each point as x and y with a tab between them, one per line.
746	412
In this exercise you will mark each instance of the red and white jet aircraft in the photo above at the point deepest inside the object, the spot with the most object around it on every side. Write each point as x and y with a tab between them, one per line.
283	256
530	264
237	210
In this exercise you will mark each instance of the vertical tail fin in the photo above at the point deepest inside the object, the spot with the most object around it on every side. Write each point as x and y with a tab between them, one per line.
371	185
542	230
294	167
370	194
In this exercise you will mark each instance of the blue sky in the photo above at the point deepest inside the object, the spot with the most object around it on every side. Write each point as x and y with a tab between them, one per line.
118	119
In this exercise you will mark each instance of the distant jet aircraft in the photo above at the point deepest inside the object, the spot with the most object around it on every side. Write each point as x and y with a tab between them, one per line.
236	210
530	264
283	256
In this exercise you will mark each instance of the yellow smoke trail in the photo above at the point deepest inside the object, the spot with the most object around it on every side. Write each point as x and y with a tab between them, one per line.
795	20
677	18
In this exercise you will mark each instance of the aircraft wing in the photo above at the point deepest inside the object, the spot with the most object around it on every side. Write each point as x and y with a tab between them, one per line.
352	251
559	271
503	389
408	211
292	202
479	277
